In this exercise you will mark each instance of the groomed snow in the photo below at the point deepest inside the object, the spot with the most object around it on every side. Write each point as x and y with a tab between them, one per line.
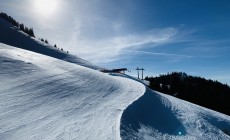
45	98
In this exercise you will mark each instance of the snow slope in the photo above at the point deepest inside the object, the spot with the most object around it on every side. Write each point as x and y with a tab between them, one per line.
46	98
159	116
10	35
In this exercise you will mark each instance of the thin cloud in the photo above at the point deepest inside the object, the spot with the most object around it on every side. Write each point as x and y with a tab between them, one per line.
162	54
168	57
109	48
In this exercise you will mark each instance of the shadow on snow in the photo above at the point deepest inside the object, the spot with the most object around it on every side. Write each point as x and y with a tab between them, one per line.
150	111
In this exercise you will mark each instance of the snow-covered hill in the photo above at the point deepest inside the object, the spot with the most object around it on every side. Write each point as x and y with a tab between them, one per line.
46	98
12	36
42	98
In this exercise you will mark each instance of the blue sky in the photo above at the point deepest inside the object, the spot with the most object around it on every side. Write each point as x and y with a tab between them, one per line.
161	36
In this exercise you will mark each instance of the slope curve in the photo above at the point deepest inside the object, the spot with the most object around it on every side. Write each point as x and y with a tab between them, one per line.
45	98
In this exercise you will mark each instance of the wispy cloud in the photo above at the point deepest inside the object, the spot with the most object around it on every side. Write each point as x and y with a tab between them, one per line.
168	57
161	54
109	49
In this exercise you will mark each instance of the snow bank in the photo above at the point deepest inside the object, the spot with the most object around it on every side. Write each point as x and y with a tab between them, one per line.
46	98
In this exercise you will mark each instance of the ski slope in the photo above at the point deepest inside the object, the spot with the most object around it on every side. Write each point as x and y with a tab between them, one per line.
46	98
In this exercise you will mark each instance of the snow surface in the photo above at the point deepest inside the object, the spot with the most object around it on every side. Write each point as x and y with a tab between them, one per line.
43	98
159	116
46	98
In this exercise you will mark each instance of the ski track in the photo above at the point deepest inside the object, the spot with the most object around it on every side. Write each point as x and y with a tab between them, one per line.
45	98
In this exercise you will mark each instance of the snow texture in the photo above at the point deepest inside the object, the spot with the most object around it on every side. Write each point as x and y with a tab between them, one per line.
46	98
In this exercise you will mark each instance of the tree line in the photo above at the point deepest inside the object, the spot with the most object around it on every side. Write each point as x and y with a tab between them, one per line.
20	26
207	93
25	29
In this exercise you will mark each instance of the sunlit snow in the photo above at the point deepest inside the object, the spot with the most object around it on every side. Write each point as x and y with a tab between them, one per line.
46	98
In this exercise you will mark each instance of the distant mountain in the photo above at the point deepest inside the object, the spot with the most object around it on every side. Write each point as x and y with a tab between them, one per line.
14	36
207	93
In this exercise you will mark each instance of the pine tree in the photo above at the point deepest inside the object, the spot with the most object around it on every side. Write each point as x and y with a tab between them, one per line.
46	41
31	32
26	30
21	27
